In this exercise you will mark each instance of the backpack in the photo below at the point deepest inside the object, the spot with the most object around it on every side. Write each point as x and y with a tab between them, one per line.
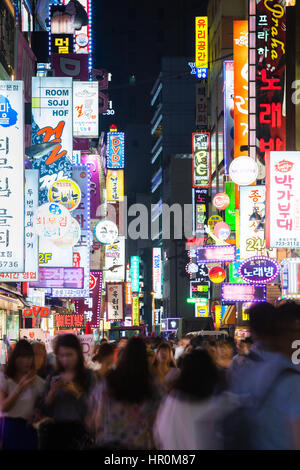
236	429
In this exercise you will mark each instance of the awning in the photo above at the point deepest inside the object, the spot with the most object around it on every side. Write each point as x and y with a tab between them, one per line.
9	297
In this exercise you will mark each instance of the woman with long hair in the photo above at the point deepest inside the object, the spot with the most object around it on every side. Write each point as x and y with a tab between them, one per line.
127	402
104	358
66	399
165	366
42	366
186	419
20	389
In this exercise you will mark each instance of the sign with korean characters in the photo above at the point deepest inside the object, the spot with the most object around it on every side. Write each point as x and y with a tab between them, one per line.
283	199
200	209
259	270
52	124
157	272
201	159
115	260
201	31
267	74
228	76
135	273
85	109
82	32
252	222
115	185
90	307
31	238
11	176
62	43
240	54
66	192
60	278
201	104
135	310
115	301
115	150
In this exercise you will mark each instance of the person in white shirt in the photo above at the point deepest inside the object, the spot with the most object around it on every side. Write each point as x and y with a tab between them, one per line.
20	390
186	419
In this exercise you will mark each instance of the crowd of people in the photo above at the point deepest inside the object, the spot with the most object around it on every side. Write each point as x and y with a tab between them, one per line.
149	393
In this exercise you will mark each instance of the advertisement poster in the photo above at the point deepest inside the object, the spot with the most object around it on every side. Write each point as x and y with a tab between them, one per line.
283	200
11	176
52	125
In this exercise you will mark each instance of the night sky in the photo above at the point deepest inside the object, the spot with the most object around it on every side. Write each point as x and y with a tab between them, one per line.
130	38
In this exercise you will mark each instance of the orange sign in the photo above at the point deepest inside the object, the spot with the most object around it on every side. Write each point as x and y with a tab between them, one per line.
36	311
240	54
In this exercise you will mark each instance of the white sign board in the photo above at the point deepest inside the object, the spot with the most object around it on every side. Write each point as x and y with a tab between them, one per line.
85	109
11	176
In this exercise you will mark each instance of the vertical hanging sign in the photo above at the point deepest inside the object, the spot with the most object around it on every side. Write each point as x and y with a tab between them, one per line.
11	176
240	54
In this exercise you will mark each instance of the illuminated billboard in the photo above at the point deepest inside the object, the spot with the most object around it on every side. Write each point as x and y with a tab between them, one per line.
115	302
240	54
135	273
85	109
115	185
201	40
267	75
228	77
115	150
283	200
201	159
52	125
157	273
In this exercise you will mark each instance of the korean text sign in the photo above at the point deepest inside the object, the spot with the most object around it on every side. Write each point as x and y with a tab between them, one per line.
201	31
52	123
252	235
11	176
201	159
115	150
31	238
115	301
90	307
85	109
115	185
135	273
135	310
228	72
157	272
270	75
283	199
240	53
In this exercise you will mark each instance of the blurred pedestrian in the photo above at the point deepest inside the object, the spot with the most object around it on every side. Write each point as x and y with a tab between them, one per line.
104	358
186	418
124	408
165	366
42	365
269	388
66	398
20	390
